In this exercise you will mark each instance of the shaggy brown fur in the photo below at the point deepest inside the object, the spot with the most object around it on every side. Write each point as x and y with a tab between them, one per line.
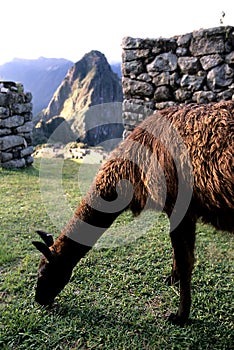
181	156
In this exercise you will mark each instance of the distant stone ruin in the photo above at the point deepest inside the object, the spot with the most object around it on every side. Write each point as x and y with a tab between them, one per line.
15	125
158	73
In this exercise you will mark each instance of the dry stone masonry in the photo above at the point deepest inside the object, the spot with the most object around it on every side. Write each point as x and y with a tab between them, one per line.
157	73
15	126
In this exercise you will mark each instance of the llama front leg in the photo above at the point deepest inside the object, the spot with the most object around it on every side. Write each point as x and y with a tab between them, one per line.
183	241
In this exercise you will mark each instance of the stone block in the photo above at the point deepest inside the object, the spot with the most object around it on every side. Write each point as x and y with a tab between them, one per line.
4	132
132	68
12	141
206	45
166	62
137	43
203	96
162	79
162	93
29	160
12	122
4	112
26	152
225	95
6	156
18	108
134	87
220	77
132	55
184	40
192	82
210	61
14	164
182	95
144	77
189	65
27	127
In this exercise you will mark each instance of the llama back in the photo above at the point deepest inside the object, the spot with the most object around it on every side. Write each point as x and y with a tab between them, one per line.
157	152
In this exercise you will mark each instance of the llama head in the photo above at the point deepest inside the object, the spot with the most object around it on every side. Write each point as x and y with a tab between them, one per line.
54	271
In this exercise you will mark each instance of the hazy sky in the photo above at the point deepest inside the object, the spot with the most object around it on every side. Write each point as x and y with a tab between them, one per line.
71	28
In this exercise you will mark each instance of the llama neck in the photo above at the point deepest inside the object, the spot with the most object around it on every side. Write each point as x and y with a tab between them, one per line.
108	197
69	251
91	219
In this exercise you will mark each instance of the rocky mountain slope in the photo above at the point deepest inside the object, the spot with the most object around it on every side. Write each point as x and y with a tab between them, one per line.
40	76
85	100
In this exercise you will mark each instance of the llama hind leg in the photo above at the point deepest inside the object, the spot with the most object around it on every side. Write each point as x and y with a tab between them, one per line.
183	241
173	278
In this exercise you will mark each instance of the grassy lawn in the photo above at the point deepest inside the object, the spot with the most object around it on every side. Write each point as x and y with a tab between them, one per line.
117	298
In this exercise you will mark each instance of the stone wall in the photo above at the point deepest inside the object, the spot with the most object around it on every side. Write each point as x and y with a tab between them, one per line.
157	73
15	126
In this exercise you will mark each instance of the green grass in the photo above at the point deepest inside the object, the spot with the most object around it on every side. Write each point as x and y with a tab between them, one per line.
117	298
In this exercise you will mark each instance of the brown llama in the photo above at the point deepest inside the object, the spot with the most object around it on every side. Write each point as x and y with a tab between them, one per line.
178	160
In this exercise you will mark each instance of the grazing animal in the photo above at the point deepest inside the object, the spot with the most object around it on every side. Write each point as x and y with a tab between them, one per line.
178	160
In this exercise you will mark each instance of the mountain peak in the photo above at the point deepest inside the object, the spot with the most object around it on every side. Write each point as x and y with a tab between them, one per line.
93	60
89	82
95	54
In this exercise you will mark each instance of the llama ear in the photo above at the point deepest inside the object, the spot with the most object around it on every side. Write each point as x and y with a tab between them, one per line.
47	238
44	249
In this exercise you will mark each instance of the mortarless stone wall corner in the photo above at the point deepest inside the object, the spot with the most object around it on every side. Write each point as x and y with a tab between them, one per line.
15	126
197	67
